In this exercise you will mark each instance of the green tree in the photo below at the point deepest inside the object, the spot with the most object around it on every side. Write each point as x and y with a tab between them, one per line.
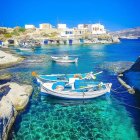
7	35
22	29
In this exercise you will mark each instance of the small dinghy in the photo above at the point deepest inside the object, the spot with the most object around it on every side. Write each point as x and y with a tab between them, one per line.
25	49
25	46
76	89
64	59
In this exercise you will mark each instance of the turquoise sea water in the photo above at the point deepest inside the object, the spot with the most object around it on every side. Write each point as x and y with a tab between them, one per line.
110	117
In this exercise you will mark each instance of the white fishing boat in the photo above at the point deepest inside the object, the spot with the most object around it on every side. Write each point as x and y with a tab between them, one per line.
64	59
65	77
25	49
75	89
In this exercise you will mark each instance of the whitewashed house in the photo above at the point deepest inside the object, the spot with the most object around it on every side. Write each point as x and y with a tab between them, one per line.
83	26
64	31
29	26
96	29
45	26
81	29
61	26
67	33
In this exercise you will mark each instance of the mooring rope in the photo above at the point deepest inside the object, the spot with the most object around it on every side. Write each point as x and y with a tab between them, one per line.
130	105
117	88
119	91
121	102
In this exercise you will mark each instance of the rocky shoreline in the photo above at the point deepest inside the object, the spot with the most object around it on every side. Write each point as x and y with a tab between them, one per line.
13	97
8	59
15	100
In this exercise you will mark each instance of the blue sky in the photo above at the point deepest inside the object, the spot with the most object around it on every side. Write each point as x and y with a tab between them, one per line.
114	14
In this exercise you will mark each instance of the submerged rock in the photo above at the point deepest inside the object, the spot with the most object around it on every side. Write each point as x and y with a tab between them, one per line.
5	76
117	67
132	75
22	78
129	72
136	66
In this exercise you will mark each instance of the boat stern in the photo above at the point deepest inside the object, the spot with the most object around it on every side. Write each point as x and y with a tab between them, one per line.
108	87
76	60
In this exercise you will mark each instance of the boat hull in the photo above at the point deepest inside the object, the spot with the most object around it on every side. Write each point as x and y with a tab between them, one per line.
63	60
75	95
25	49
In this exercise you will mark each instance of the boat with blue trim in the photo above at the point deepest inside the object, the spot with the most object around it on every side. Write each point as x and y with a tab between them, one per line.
72	86
64	77
75	89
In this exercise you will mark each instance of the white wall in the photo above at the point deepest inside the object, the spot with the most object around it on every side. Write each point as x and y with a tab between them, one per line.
96	29
80	26
68	33
45	26
61	26
27	26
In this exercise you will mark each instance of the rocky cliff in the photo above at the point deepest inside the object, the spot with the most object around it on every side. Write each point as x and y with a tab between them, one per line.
128	33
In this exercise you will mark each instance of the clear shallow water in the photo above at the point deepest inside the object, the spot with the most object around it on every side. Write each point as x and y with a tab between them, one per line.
106	117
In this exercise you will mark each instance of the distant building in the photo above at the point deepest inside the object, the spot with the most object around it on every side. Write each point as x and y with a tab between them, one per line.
81	30
61	26
29	26
82	26
96	29
45	26
67	33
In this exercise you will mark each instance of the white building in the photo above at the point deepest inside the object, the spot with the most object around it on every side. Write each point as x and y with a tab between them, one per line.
45	26
64	31
96	29
80	30
82	26
67	33
61	26
29	26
